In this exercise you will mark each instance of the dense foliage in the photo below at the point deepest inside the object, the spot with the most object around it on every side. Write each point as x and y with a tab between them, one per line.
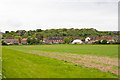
40	34
104	41
4	42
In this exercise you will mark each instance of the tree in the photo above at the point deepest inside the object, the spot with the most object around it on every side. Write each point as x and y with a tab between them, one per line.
104	41
71	39
6	32
63	42
21	32
41	42
39	36
9	36
38	30
4	42
99	42
19	38
34	35
66	40
33	41
83	39
45	36
29	40
64	29
64	33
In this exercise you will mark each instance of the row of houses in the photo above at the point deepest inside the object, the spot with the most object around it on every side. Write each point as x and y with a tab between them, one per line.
16	41
59	40
56	40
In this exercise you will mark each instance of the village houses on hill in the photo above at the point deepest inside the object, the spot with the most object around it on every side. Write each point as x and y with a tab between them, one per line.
59	40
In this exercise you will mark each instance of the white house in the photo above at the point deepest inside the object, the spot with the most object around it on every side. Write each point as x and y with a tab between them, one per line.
87	39
77	41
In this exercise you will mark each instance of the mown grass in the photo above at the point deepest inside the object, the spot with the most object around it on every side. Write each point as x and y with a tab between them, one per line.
18	64
97	50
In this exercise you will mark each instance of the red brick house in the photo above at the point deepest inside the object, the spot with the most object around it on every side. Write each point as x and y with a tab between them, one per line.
53	40
106	37
56	40
24	41
12	41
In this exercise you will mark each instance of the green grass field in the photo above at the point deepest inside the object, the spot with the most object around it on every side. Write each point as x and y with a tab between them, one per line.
58	61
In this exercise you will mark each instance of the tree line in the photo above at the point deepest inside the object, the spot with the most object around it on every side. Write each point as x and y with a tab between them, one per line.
40	34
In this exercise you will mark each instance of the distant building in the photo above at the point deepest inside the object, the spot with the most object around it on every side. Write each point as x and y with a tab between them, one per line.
53	40
12	41
106	37
87	39
77	41
24	41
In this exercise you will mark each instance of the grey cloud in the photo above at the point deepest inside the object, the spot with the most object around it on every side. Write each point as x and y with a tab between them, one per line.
26	14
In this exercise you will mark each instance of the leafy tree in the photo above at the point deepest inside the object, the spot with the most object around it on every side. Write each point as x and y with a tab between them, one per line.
71	39
66	40
19	38
64	29
104	41
63	42
21	32
64	33
33	41
41	42
4	42
25	35
99	42
9	36
29	40
39	36
38	30
44	36
34	35
6	32
83	39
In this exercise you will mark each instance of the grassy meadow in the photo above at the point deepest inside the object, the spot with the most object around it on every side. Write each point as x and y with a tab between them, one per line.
60	61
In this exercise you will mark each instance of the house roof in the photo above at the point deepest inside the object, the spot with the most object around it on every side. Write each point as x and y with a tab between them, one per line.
54	38
24	39
11	40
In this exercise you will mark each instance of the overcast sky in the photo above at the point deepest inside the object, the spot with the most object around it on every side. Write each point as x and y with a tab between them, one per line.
47	14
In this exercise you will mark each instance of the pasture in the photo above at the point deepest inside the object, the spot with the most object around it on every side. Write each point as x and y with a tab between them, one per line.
60	61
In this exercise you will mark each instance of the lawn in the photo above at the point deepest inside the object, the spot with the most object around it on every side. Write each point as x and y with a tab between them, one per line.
19	62
97	50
